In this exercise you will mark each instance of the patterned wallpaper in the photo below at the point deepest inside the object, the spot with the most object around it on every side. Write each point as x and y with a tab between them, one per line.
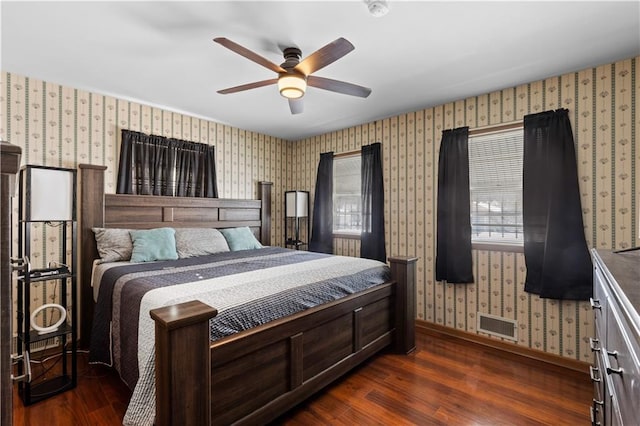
605	118
62	126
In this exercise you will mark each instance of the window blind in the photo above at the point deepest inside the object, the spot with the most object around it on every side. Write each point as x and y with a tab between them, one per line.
347	197
495	184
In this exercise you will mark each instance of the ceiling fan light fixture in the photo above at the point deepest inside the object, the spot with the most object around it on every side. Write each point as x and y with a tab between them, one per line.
292	86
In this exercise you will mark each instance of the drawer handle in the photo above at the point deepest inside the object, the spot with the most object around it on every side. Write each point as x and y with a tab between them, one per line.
26	364
592	373
20	264
607	364
595	303
596	402
592	344
593	416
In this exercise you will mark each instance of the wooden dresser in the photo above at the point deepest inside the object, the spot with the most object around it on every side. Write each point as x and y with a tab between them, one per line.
616	345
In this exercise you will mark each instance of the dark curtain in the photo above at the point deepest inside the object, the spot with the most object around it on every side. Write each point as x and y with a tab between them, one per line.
322	228
372	243
143	164
195	169
555	250
155	165
453	251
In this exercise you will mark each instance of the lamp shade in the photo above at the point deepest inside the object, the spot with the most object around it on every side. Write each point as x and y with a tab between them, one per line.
48	193
292	86
297	203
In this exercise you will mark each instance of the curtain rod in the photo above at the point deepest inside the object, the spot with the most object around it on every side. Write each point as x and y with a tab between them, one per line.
346	154
496	128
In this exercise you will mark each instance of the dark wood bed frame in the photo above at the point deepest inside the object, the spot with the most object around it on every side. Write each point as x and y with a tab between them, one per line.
256	375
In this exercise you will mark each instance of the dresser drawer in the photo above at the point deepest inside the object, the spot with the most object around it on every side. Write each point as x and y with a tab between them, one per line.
621	366
600	302
598	403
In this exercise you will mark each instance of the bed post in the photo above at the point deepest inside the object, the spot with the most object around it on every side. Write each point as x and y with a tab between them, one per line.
90	214
264	194
403	272
183	364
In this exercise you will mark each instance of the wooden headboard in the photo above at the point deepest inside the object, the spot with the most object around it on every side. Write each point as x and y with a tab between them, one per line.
97	209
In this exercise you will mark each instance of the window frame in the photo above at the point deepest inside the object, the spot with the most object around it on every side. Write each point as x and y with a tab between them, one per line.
486	244
344	234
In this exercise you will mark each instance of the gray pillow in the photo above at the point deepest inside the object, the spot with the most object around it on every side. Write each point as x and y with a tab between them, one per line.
240	238
199	242
113	244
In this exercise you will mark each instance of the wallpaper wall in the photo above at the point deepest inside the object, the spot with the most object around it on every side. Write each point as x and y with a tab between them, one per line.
605	119
62	127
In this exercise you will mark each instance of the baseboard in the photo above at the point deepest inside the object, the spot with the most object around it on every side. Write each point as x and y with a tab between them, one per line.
511	348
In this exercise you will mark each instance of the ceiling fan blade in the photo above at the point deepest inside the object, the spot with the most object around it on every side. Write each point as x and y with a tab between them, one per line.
324	56
248	86
296	106
249	54
338	86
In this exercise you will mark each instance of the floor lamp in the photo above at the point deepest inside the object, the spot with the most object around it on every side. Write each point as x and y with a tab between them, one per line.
296	207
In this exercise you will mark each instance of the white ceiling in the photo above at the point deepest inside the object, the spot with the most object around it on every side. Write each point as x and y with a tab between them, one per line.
419	55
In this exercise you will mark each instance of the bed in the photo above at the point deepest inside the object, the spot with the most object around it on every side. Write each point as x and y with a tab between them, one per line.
278	363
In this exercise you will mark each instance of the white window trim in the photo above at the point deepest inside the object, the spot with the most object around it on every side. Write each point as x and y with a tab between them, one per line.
346	233
479	243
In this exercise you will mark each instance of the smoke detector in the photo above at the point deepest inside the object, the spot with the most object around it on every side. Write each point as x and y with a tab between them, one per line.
377	8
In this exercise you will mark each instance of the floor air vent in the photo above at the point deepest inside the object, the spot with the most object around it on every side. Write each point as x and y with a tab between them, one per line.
498	326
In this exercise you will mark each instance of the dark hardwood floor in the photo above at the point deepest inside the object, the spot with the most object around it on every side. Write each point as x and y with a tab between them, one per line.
445	382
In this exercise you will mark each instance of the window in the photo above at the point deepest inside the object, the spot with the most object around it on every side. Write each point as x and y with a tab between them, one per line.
495	184
347	196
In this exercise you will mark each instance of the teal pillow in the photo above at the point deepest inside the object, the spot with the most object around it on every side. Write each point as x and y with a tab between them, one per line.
153	244
240	239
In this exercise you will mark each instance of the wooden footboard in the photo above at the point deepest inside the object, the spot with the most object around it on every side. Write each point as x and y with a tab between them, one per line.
254	376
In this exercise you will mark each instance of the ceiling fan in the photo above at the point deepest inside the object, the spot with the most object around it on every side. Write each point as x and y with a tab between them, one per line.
294	75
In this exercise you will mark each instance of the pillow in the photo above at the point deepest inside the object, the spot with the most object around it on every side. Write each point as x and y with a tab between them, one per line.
199	241
240	239
113	244
153	244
